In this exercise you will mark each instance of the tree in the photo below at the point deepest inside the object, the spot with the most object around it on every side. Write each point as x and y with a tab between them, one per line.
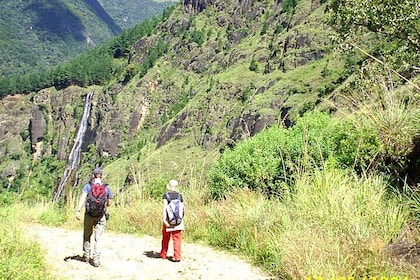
394	24
393	19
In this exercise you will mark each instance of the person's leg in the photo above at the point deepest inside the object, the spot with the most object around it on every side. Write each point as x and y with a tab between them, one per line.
177	238
99	230
87	233
166	236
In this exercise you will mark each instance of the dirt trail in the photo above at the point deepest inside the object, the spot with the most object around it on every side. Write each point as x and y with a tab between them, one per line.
128	257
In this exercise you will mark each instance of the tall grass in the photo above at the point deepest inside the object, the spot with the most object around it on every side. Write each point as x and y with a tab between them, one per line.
332	225
19	258
389	110
337	225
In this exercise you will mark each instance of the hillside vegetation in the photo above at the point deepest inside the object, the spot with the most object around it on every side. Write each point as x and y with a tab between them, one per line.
38	35
293	128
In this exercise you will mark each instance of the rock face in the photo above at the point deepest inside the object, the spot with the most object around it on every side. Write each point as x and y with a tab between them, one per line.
38	125
196	6
15	113
44	125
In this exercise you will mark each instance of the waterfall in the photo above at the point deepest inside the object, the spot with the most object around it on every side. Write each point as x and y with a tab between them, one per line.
73	161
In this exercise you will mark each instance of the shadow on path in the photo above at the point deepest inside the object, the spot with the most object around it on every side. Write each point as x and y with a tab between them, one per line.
152	254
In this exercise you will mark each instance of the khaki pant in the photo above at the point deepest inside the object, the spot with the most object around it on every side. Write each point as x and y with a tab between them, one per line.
95	226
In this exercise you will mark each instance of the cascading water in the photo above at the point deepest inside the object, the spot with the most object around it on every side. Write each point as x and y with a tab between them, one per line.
73	161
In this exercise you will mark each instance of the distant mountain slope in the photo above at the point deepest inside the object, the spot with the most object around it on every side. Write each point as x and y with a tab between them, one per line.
128	13
104	16
39	34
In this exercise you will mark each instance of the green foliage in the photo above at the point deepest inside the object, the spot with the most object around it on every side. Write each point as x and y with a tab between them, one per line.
358	145
7	198
197	36
390	121
37	35
156	188
289	6
270	160
264	28
247	93
311	140
253	65
396	24
19	258
254	164
93	67
35	181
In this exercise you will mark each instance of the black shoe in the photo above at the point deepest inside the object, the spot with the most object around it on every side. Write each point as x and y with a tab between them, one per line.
172	259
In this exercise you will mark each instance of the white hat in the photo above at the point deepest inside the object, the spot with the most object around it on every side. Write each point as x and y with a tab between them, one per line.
172	185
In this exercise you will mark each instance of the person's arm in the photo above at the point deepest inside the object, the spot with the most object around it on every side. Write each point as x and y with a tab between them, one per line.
82	202
164	214
110	196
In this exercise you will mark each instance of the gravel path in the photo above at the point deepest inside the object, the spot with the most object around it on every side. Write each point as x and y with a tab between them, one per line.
129	257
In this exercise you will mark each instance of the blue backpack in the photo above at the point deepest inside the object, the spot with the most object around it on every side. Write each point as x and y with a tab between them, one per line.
174	210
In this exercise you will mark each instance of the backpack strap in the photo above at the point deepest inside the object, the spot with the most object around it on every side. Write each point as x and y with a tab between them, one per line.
168	198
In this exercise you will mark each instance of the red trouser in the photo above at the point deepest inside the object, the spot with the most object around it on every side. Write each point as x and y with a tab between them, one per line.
176	238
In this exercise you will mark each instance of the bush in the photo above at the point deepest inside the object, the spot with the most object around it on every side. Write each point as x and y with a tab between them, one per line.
358	147
156	188
270	160
252	164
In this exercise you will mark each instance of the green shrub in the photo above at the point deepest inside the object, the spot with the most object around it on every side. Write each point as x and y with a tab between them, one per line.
255	163
156	188
267	162
270	160
7	198
357	146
